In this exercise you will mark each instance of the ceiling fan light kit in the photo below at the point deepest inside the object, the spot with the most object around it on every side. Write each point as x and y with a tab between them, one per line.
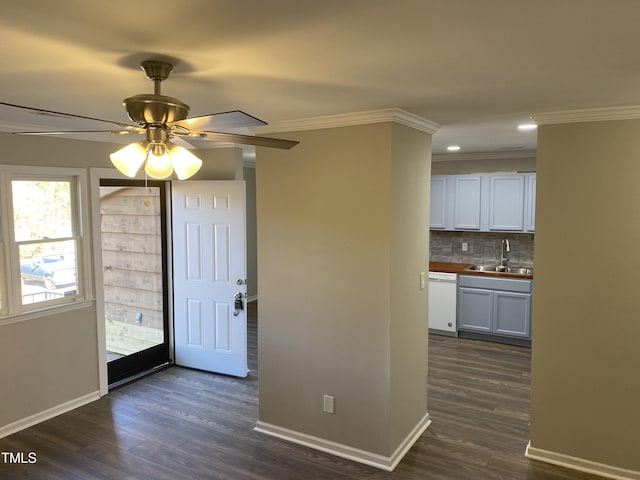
160	160
158	164
184	163
129	159
161	118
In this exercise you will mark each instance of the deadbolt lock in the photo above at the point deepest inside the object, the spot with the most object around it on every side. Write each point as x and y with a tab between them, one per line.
238	305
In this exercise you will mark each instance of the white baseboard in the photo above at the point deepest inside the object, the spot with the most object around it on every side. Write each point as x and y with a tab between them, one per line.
345	451
580	464
410	439
32	420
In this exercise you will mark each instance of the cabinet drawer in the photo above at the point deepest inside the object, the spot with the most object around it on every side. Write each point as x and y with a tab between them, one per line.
494	283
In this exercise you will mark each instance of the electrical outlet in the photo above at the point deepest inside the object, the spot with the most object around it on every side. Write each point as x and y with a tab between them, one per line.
465	246
329	404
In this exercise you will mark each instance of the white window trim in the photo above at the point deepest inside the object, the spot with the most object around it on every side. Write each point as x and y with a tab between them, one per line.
13	311
46	311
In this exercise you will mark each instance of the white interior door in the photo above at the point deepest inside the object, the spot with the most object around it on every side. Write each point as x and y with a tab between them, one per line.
209	270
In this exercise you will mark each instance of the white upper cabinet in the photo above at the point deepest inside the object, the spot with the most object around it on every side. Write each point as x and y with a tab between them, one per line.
437	216
530	208
506	202
466	205
483	202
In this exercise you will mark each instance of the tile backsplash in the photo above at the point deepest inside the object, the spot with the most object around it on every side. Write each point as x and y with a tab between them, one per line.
483	247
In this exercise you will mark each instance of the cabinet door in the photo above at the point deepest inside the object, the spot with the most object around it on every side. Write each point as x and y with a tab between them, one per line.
512	314
475	309
467	202
531	202
437	216
506	202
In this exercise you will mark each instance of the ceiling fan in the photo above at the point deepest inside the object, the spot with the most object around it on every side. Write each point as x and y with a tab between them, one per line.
167	128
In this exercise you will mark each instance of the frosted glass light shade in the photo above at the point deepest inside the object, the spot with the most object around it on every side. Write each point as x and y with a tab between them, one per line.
161	160
129	159
184	162
158	166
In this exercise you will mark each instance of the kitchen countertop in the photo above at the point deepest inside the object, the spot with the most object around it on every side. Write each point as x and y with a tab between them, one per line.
459	268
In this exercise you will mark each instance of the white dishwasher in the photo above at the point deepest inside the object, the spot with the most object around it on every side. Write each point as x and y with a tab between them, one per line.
443	289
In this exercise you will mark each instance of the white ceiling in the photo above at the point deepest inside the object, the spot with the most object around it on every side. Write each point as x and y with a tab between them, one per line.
476	67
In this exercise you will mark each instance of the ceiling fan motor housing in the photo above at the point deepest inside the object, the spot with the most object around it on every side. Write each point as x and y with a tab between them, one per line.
151	109
156	109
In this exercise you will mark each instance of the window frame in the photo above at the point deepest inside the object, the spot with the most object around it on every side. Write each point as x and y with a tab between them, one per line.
11	305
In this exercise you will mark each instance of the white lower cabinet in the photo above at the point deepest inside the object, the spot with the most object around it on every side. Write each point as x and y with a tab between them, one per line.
495	306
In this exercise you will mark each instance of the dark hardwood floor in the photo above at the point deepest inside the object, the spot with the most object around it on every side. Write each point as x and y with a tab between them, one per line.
186	424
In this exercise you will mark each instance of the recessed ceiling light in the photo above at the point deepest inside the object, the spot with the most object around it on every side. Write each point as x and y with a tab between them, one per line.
453	148
527	126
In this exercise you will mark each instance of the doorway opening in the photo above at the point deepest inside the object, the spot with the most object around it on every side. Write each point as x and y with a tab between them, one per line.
133	227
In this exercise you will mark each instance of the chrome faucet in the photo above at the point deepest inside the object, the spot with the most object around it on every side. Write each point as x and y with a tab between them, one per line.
504	256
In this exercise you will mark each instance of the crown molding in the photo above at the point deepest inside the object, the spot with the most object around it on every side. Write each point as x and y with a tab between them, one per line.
508	155
587	115
396	115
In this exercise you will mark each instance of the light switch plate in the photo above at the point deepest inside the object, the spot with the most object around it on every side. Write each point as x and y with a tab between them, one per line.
329	404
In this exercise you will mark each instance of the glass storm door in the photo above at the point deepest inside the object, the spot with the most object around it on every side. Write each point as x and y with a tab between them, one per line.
134	260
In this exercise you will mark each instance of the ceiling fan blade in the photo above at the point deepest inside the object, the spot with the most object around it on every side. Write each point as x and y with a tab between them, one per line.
73	132
53	113
246	139
220	121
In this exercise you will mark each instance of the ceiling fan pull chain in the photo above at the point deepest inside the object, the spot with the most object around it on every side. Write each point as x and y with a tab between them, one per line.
146	191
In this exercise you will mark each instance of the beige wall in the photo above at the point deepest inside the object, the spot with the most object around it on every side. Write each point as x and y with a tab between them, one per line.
252	253
54	152
409	256
47	361
219	164
480	165
331	270
585	394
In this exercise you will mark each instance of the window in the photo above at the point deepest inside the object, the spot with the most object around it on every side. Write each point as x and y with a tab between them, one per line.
43	245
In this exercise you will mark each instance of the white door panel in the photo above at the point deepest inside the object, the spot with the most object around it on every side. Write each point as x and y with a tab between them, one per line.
209	271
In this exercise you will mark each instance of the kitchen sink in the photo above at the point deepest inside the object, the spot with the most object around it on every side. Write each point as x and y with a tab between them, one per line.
500	269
